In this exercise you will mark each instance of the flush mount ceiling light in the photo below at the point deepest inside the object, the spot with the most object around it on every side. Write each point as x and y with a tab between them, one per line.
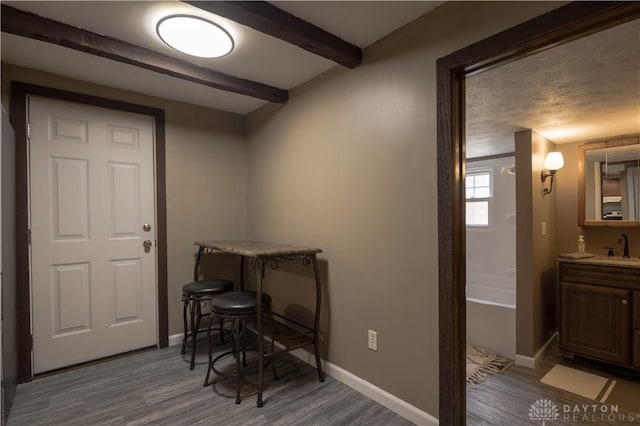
194	36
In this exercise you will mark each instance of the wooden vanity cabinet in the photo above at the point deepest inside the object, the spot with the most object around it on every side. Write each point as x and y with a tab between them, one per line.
600	312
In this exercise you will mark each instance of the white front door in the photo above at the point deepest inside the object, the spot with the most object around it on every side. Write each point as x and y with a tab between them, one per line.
93	283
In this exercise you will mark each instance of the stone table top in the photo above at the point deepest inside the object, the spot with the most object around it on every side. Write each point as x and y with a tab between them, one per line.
258	248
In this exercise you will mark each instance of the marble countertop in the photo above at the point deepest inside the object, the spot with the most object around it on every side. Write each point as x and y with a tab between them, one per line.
631	262
258	248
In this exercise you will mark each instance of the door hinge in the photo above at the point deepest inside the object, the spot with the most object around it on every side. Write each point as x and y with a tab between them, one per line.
29	236
28	131
31	342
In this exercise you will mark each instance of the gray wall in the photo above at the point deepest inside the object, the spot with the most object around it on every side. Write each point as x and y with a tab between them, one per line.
206	173
349	165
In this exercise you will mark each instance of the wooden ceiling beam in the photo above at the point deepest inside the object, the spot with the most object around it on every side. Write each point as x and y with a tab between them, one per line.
30	25
268	19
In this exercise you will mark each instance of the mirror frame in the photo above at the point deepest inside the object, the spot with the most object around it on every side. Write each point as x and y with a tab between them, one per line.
582	151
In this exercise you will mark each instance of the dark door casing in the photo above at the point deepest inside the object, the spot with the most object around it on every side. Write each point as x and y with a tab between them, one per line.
566	23
9	313
17	114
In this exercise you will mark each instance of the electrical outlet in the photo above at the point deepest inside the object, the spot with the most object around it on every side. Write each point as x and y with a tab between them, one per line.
373	340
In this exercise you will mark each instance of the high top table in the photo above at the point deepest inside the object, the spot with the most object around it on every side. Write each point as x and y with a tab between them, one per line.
259	255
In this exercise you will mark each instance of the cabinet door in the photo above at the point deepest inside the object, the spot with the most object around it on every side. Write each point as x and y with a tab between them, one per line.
596	322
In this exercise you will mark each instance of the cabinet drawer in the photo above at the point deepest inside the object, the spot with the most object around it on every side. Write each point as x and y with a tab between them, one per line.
636	349
636	310
601	275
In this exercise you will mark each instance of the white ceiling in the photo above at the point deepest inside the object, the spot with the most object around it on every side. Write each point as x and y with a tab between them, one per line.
256	56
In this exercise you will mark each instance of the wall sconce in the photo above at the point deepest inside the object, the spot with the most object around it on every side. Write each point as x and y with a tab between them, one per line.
552	162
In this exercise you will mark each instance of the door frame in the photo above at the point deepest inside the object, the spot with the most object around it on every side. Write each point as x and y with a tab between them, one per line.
18	119
566	23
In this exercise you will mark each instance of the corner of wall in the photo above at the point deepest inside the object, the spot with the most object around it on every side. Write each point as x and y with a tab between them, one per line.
536	223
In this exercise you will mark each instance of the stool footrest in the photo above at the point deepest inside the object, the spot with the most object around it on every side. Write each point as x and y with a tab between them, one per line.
287	336
223	355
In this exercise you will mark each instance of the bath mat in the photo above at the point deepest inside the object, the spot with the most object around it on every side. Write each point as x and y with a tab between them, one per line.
482	362
601	389
575	381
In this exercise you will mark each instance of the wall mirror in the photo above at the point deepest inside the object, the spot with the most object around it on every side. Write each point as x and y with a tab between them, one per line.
609	183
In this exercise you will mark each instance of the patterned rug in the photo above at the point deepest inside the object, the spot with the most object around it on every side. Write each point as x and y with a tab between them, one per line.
482	362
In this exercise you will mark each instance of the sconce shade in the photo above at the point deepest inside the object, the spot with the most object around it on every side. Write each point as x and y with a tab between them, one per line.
553	161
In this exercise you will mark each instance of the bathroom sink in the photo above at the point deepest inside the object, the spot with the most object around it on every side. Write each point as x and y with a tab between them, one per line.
614	260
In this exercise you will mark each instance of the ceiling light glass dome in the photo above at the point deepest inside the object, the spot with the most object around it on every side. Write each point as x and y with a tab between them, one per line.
194	36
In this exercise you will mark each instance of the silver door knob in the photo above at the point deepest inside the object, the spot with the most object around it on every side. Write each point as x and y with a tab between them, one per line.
147	245
146	227
625	302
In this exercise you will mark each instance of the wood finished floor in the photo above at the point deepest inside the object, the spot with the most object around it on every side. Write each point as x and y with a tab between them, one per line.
505	398
156	387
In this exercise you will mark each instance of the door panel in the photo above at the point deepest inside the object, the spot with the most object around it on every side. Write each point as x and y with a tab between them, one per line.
596	321
71	312
91	189
125	199
126	282
70	198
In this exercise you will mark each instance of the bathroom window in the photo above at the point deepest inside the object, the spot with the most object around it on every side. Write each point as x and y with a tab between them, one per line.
478	196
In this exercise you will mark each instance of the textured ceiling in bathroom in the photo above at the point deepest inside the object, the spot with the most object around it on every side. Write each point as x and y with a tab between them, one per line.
583	90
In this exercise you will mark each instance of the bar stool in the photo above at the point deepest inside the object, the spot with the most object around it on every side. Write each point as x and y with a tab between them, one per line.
239	307
193	293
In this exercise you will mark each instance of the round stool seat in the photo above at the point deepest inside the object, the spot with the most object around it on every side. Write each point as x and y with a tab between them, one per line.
238	303
207	288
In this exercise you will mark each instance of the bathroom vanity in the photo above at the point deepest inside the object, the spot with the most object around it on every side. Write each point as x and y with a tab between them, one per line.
599	310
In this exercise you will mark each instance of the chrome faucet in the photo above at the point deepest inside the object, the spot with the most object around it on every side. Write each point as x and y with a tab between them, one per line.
626	244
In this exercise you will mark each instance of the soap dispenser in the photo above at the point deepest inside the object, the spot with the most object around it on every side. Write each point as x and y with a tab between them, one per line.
581	244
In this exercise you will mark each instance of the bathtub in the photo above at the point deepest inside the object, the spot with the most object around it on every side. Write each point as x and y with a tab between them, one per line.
494	294
491	317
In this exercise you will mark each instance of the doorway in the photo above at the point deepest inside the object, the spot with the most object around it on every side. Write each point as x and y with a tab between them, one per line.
558	26
20	93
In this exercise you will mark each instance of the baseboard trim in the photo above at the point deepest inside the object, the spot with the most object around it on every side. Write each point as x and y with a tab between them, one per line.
382	397
175	339
369	390
533	362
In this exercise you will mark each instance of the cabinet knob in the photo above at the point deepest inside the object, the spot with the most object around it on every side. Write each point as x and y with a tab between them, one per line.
625	302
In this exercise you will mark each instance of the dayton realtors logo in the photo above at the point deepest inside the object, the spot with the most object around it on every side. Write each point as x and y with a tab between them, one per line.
544	410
